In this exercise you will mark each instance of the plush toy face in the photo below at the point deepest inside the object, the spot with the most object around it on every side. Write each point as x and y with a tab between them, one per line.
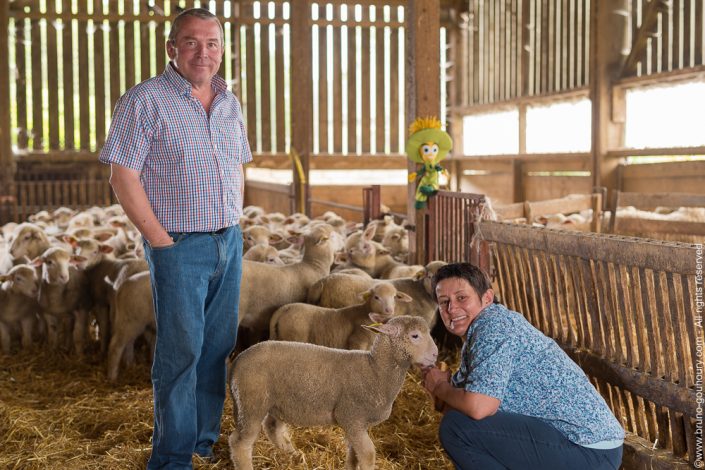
429	152
428	146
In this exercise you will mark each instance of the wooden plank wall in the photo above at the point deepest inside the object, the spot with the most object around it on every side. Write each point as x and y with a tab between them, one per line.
522	48
682	177
93	51
623	308
346	201
509	178
517	54
665	36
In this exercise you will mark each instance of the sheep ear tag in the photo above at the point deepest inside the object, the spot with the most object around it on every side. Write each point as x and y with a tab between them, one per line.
384	328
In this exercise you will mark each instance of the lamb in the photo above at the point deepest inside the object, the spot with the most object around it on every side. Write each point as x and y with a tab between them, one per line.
265	287
373	258
336	328
263	254
383	227
96	260
28	241
63	297
18	305
259	235
134	315
396	240
330	387
340	290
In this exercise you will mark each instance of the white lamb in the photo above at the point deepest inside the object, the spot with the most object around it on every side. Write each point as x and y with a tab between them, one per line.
278	382
336	328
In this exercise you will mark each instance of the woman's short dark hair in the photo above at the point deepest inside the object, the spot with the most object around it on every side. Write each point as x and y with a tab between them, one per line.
475	276
201	13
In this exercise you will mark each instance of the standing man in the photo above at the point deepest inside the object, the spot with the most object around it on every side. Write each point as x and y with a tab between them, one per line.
176	148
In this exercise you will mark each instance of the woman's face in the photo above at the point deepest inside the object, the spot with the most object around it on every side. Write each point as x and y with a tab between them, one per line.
459	304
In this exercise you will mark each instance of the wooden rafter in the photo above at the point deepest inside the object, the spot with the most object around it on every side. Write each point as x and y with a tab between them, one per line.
648	29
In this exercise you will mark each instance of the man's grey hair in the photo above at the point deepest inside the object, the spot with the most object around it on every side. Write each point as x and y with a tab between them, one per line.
201	13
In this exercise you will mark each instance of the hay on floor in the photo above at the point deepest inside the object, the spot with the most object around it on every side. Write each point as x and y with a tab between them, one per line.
57	411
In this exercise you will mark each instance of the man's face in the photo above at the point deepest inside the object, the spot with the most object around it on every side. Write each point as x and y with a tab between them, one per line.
197	50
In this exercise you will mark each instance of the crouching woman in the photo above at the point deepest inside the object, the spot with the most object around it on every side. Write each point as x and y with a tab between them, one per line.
517	401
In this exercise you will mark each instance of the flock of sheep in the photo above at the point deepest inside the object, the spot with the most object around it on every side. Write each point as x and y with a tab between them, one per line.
71	279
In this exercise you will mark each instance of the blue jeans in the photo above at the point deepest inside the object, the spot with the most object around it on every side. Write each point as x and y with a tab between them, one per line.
196	289
513	441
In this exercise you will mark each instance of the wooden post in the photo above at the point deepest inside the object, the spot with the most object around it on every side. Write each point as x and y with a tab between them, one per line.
423	93
607	34
6	172
518	164
302	96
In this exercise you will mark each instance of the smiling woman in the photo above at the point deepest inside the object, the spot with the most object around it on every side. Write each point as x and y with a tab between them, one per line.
517	400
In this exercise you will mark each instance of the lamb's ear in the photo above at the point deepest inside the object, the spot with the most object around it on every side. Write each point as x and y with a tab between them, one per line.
70	239
297	239
364	296
109	249
402	297
369	232
102	236
385	328
38	261
322	240
382	251
420	274
4	277
380	317
275	238
341	257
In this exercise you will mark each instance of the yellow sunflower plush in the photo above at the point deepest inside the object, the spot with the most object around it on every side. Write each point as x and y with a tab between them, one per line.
428	144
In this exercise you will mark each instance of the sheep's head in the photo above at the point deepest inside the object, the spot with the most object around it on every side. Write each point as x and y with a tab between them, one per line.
22	280
28	240
89	252
360	249
382	299
263	254
427	274
397	240
410	338
55	263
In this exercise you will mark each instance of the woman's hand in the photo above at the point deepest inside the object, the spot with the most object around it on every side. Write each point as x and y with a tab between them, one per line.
432	378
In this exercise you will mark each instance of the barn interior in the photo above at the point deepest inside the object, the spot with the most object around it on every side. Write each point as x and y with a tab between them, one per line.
576	179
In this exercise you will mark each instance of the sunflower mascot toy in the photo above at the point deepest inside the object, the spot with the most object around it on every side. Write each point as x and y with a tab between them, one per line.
428	144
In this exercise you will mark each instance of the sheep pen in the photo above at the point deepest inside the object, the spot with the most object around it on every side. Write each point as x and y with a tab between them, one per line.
59	411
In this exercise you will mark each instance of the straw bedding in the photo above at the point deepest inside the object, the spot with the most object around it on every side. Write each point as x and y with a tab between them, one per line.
58	411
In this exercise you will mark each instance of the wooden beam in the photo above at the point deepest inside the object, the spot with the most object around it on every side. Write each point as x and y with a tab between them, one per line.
607	32
691	74
628	251
302	98
655	389
538	100
422	91
651	152
642	455
6	171
651	200
648	28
